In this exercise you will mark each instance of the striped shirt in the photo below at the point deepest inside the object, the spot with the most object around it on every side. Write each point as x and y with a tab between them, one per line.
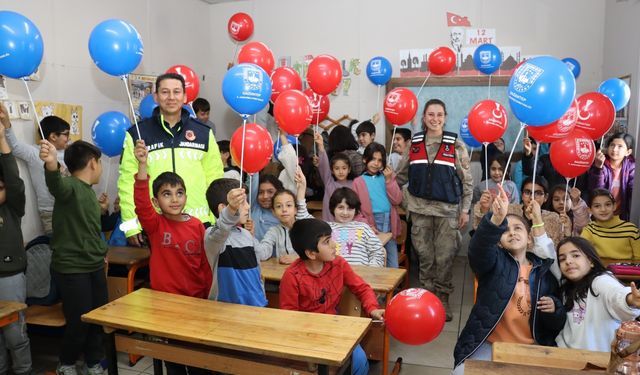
614	238
358	244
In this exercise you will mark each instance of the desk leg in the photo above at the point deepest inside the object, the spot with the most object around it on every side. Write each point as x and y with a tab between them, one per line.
112	356
385	344
157	366
323	370
131	278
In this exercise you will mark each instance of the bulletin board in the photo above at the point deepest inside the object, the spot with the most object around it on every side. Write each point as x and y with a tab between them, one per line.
460	94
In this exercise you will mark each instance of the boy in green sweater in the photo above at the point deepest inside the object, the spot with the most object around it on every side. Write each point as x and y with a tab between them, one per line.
78	250
13	260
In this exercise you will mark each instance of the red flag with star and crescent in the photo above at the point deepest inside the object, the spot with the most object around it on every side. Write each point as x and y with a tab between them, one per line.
456	20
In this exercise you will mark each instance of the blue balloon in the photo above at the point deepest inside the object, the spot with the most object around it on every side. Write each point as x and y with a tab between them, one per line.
278	145
466	135
108	132
190	110
573	65
487	58
617	90
147	105
21	45
379	70
246	88
541	90
115	47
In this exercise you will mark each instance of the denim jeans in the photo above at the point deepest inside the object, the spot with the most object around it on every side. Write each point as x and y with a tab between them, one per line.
383	223
13	337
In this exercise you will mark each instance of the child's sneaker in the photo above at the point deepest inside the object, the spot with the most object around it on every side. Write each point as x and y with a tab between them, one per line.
66	370
96	370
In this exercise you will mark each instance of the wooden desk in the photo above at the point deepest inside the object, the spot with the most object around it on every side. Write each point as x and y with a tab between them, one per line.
546	356
628	278
384	237
132	257
230	338
473	367
9	311
381	279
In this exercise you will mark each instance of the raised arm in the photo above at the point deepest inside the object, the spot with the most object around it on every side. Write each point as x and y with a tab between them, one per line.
14	186
19	149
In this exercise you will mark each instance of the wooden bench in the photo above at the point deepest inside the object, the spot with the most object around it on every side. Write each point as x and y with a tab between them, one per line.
48	316
547	356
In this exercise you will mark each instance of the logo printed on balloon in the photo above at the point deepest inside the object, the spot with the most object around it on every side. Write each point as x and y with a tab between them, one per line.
414	292
234	27
392	100
584	149
252	78
376	65
581	116
485	57
527	76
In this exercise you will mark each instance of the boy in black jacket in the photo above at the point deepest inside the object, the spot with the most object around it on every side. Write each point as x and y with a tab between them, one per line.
13	259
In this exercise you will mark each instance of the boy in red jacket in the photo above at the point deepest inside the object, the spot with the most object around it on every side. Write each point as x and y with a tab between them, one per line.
178	262
314	282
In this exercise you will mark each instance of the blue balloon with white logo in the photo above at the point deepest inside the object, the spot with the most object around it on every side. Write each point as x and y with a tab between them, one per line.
246	88
466	135
541	90
487	58
617	90
115	47
573	65
379	70
278	145
21	45
108	132
147	105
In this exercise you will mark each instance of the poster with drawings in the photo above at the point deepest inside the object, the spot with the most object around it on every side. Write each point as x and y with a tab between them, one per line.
72	113
3	88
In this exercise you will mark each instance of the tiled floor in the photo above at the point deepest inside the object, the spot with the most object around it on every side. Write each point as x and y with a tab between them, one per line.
433	358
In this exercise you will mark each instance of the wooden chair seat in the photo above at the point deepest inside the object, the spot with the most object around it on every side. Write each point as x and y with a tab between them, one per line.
49	316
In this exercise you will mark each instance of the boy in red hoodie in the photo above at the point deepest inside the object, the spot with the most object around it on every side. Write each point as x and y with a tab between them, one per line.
314	282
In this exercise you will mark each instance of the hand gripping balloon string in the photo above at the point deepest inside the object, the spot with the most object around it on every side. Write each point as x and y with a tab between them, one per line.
35	112
133	112
489	91
106	182
504	175
244	132
393	135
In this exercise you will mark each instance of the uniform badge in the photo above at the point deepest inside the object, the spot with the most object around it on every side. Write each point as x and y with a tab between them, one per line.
190	135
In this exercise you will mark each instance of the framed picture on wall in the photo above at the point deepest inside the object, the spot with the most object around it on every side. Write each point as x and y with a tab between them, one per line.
623	114
140	85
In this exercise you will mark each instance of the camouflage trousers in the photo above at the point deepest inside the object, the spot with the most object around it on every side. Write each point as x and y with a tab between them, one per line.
436	241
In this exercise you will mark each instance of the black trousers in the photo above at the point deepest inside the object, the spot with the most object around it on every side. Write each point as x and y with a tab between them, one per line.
81	293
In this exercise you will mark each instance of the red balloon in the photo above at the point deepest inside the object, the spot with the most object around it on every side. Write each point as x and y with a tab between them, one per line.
258	148
442	60
319	106
283	79
257	53
191	81
292	112
240	26
573	155
324	74
400	106
414	316
596	114
558	129
487	121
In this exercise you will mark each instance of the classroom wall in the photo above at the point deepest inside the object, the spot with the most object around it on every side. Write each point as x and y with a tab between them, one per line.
622	57
367	28
68	75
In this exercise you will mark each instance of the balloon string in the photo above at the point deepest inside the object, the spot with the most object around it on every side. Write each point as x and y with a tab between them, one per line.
486	167
315	129
423	83
235	53
533	178
133	112
470	153
244	132
489	91
575	181
297	155
393	135
33	105
250	187
378	98
106	183
566	192
504	175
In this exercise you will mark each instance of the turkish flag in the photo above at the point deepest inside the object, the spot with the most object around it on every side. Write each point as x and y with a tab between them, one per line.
456	20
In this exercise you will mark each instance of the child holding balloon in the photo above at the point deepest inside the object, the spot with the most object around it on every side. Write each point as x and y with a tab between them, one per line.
615	172
517	296
611	236
335	174
497	169
380	195
315	281
287	207
573	210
